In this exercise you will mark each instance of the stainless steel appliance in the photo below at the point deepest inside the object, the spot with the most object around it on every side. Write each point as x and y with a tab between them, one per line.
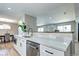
32	49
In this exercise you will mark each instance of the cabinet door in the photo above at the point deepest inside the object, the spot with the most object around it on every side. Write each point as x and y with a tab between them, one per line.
18	42
46	51
23	47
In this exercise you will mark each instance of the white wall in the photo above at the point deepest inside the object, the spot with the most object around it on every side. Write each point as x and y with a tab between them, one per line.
58	15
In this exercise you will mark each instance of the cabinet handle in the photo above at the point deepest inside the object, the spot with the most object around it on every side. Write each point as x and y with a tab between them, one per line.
33	46
48	52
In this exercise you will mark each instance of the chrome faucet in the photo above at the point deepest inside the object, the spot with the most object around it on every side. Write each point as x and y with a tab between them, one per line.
30	31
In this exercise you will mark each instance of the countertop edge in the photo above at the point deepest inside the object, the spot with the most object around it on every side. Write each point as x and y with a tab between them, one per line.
63	50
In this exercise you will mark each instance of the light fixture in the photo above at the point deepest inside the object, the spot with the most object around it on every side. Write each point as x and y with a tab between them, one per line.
50	17
8	20
9	8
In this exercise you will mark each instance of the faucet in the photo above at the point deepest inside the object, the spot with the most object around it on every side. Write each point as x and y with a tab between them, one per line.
30	31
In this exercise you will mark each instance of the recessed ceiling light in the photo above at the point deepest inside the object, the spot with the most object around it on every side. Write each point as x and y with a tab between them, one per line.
9	8
50	17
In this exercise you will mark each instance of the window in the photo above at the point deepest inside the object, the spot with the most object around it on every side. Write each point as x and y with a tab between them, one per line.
5	26
68	28
64	28
40	29
60	28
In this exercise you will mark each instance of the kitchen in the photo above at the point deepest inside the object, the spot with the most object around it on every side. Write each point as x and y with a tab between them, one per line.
43	29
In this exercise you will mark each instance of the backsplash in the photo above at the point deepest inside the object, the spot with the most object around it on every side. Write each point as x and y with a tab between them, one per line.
67	36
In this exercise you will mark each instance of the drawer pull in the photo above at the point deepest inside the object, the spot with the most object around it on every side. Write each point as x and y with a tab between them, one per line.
48	52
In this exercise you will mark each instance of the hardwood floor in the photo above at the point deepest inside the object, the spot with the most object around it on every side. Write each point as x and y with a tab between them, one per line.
9	47
12	52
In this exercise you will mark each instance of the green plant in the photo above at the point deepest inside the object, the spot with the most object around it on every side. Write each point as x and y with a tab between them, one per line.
23	27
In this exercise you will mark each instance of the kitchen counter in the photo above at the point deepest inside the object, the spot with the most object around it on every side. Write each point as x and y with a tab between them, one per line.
55	32
53	43
57	43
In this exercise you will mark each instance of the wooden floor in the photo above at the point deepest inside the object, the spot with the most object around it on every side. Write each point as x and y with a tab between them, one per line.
13	52
9	47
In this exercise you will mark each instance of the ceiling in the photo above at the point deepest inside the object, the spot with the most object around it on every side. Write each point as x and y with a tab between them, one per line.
43	10
34	9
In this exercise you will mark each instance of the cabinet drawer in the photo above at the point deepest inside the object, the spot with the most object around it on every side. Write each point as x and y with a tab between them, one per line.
46	51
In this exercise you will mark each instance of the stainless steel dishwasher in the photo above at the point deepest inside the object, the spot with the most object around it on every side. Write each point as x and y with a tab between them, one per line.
32	49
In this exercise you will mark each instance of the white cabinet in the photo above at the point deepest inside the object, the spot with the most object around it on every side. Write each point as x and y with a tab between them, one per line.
17	46
46	51
18	43
23	47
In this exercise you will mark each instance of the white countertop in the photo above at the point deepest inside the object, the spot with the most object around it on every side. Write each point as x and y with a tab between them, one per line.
59	44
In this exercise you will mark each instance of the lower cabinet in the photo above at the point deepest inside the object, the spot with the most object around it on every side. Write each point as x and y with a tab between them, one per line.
46	51
23	47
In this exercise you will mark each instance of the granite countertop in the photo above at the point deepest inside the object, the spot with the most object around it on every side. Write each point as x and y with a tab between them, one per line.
59	44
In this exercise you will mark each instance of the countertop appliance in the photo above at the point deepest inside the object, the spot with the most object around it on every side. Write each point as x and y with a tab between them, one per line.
32	49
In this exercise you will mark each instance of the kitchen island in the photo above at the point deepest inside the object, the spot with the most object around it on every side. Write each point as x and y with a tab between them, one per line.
60	44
